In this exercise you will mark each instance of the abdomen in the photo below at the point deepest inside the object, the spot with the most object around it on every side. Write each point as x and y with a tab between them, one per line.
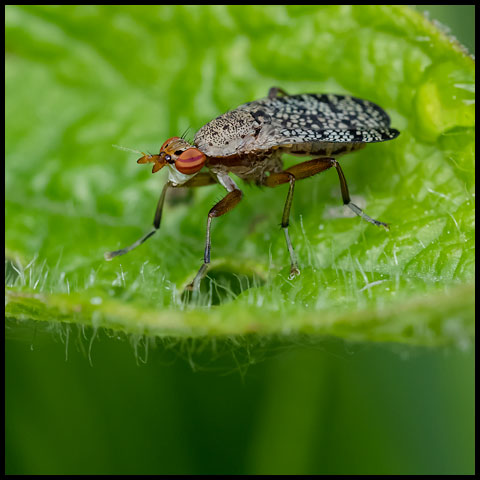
321	149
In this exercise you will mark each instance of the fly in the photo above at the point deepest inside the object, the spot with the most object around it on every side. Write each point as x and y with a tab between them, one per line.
249	142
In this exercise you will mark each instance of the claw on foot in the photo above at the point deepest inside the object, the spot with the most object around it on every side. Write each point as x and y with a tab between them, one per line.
294	272
190	293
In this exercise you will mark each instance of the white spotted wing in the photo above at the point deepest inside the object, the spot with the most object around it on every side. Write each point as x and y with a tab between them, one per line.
294	120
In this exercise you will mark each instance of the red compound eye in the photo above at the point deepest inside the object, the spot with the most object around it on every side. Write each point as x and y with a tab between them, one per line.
167	142
190	161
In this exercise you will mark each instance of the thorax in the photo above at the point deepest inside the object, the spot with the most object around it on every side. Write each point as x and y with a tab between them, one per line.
250	167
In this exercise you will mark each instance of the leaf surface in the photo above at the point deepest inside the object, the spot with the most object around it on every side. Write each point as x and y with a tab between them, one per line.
79	79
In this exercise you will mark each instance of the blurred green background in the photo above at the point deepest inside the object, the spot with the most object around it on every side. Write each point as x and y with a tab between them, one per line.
79	401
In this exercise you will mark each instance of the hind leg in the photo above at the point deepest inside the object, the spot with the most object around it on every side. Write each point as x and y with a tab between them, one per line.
305	170
276	91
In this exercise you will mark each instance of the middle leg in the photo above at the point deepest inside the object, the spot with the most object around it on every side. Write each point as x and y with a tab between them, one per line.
305	170
297	172
317	165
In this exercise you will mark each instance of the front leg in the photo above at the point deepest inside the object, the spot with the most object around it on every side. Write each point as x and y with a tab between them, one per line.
156	225
228	202
199	180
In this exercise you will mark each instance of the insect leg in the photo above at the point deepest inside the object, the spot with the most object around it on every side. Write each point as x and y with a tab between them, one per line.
317	165
348	202
297	172
223	206
272	181
197	181
274	91
156	225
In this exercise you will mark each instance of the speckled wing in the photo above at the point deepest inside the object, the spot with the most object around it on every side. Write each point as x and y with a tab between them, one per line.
293	120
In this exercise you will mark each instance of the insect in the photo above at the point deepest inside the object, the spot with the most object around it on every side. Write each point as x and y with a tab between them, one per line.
249	142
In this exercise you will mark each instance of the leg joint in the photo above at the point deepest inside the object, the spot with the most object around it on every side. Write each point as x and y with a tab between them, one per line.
291	178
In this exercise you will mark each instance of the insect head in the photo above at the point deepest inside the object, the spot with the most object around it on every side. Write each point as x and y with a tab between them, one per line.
178	153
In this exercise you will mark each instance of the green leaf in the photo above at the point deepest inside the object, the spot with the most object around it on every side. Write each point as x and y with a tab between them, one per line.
79	79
